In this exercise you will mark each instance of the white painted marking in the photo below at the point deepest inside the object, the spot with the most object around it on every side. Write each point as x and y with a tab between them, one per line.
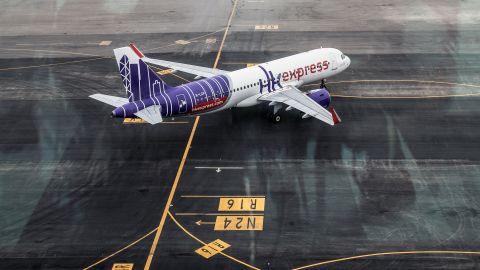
182	42
266	27
210	40
105	43
220	168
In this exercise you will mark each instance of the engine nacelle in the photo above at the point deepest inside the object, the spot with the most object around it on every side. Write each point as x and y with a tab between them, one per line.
321	96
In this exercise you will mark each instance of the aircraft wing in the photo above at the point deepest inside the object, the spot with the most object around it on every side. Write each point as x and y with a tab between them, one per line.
110	100
196	70
293	97
150	114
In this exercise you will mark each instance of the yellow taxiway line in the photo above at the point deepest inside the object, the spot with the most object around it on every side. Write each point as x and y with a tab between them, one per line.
225	34
182	163
203	243
170	197
120	250
390	253
404	97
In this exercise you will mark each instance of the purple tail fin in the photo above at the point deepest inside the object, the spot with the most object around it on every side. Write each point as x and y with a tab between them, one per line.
139	79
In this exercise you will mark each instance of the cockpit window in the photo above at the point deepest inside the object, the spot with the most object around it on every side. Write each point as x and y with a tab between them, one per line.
343	56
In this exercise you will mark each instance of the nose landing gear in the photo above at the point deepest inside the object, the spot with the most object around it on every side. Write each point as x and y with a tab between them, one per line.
323	84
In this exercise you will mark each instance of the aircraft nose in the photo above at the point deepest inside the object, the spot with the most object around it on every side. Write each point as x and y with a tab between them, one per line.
347	61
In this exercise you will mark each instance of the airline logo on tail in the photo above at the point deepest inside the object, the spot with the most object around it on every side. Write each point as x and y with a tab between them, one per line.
126	77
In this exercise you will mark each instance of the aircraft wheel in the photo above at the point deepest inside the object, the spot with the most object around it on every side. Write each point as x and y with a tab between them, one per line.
276	118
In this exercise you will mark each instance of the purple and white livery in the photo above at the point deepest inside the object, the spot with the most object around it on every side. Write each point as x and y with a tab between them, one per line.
277	82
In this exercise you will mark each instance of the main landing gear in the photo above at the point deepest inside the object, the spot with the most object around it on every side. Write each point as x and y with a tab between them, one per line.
274	107
274	114
275	118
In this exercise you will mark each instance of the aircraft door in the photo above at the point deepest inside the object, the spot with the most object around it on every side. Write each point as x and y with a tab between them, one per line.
182	103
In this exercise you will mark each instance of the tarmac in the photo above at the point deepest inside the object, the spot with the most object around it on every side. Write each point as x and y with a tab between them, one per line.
394	186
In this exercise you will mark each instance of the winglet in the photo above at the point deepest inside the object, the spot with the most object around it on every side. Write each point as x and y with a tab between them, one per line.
137	51
336	118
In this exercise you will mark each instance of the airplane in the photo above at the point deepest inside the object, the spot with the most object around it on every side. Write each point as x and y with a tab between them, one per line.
276	82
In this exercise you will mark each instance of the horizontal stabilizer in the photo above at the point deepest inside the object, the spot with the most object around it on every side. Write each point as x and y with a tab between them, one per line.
110	100
150	114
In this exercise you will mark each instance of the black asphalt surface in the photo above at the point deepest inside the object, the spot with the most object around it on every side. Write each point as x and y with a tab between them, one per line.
396	175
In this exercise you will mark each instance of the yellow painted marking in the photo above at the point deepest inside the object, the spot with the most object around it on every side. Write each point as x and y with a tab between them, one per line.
266	27
133	121
225	34
210	40
412	81
170	196
391	253
251	64
239	223
200	241
241	204
220	196
212	248
200	222
75	53
120	250
165	71
206	251
210	214
122	266
175	221
172	74
182	42
105	43
182	163
192	39
404	97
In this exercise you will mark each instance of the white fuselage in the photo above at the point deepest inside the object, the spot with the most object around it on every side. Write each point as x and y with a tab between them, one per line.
249	83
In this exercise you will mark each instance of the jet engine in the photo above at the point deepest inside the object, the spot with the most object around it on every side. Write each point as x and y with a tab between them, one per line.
321	96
